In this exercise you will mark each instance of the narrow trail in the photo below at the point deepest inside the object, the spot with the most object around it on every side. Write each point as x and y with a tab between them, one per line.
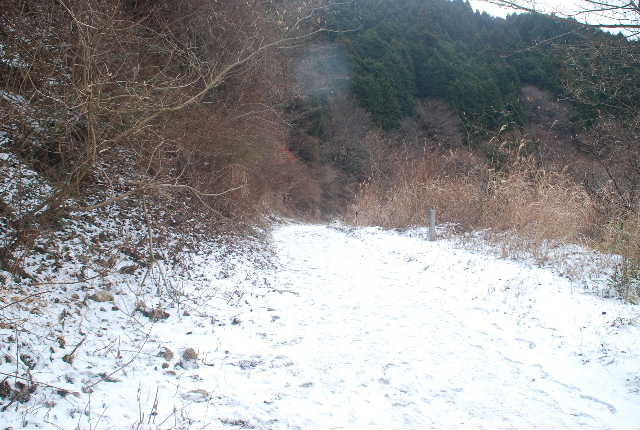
368	328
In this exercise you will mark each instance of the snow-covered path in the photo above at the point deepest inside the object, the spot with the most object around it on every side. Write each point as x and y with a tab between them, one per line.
352	328
379	329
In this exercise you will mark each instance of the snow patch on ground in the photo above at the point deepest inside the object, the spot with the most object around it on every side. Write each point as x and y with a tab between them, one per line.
11	60
21	188
589	269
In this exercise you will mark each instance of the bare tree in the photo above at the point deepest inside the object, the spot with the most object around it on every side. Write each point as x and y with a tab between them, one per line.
130	70
100	85
606	14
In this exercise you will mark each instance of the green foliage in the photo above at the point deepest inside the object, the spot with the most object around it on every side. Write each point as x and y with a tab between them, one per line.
404	50
537	68
383	77
410	49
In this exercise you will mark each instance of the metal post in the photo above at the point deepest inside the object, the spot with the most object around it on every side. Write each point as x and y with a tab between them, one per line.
432	224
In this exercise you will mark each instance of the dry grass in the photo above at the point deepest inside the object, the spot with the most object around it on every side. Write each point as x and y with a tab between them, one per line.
543	209
450	182
622	236
537	204
526	211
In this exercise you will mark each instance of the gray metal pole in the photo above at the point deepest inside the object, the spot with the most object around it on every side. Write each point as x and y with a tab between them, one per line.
432	224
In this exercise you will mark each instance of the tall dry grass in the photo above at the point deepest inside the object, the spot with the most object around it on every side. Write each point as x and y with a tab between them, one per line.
621	235
538	204
543	208
450	182
526	211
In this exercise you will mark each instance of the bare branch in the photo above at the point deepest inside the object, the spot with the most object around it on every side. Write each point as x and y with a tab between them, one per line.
626	13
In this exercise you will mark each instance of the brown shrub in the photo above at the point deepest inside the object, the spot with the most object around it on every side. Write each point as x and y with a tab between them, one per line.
622	237
538	204
541	208
450	182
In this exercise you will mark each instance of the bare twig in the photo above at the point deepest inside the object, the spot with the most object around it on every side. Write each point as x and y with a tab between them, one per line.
25	298
64	390
120	368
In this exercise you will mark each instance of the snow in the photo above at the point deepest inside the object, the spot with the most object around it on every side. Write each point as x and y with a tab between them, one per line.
21	188
351	327
589	269
11	60
12	98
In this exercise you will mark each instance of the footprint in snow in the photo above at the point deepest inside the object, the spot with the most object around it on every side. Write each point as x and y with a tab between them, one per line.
248	364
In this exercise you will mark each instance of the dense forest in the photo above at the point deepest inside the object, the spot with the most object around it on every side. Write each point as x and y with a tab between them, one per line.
372	110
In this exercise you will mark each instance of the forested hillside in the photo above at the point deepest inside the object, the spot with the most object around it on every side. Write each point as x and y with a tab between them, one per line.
400	55
406	51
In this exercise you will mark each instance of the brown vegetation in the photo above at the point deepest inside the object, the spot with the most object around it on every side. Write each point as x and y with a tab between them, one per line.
538	205
179	102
